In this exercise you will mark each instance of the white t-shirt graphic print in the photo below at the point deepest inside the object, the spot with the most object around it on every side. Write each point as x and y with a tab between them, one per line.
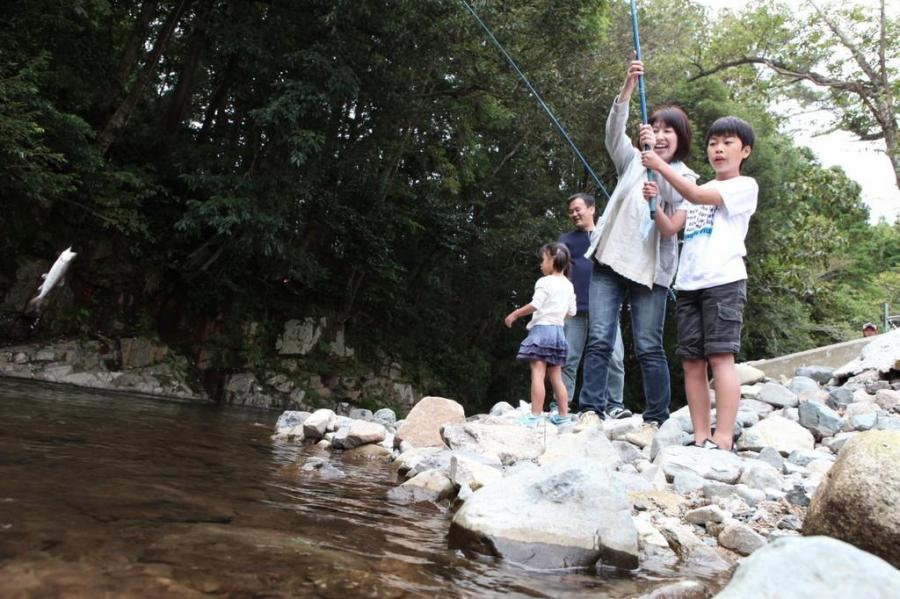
713	251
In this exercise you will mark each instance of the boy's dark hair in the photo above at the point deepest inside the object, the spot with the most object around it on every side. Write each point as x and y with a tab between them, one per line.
732	125
677	119
587	198
559	253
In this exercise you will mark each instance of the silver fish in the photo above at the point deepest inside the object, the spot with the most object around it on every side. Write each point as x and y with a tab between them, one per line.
55	276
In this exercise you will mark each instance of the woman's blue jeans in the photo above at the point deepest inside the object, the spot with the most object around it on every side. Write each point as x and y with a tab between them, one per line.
648	316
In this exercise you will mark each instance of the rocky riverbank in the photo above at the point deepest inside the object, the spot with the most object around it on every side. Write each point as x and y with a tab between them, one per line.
625	495
312	367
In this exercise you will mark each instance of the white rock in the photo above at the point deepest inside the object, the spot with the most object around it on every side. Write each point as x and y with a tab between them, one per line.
317	423
561	515
714	465
740	538
590	443
780	433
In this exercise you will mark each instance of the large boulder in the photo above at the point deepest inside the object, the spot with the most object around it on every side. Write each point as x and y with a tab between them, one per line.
857	499
565	514
422	426
820	567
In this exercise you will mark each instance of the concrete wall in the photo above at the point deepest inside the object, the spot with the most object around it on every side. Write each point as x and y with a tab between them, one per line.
834	356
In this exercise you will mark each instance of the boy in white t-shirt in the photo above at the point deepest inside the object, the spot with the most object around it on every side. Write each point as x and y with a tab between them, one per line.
712	278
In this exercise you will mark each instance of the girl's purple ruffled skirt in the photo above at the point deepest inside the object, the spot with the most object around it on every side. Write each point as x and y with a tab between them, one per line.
545	342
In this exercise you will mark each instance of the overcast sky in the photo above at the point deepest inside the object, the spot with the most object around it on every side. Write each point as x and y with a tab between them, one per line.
862	161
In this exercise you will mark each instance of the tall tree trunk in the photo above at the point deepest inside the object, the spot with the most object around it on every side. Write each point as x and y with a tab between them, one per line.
185	84
136	40
120	117
217	99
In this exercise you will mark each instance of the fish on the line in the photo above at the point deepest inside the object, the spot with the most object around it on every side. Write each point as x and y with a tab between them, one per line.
55	276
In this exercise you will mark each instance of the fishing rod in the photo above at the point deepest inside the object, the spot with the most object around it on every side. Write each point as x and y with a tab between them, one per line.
537	96
651	176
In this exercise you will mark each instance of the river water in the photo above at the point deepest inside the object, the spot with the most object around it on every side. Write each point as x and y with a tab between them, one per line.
107	495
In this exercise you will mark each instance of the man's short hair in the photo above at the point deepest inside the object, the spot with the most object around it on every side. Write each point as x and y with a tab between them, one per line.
677	119
587	198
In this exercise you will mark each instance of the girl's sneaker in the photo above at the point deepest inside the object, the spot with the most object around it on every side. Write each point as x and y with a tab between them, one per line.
530	420
560	420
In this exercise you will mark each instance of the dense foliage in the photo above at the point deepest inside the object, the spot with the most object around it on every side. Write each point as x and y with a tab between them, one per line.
223	162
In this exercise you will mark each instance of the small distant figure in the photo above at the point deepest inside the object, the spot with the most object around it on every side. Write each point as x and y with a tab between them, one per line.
870	329
545	347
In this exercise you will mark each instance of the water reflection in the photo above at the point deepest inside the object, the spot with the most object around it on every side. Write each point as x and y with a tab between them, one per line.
127	496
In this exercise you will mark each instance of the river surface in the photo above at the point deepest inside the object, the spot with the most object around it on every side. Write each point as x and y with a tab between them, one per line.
107	495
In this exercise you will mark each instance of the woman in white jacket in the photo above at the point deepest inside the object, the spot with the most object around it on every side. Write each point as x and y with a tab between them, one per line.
630	257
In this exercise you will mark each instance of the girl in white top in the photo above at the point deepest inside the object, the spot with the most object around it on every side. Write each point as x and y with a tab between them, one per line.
545	346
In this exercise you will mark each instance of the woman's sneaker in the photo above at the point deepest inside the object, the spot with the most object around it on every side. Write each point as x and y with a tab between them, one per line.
560	420
617	413
530	420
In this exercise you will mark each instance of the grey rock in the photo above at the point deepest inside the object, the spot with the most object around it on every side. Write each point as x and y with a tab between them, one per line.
740	538
761	476
860	416
798	567
802	457
820	374
628	453
687	482
747	374
802	384
706	514
761	408
772	457
289	420
799	495
671	434
684	589
385	416
837	442
501	408
839	397
778	396
876	386
790	522
360	414
746	418
887	423
820	419
887	399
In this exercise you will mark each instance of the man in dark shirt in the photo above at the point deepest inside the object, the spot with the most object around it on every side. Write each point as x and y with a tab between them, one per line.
581	212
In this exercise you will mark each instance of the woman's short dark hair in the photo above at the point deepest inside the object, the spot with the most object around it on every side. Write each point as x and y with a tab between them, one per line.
560	255
677	119
732	125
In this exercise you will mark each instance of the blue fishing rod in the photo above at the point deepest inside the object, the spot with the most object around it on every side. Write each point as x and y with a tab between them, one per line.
537	96
642	94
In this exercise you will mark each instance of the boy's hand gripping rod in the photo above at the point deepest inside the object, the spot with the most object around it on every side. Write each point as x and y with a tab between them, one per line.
637	51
